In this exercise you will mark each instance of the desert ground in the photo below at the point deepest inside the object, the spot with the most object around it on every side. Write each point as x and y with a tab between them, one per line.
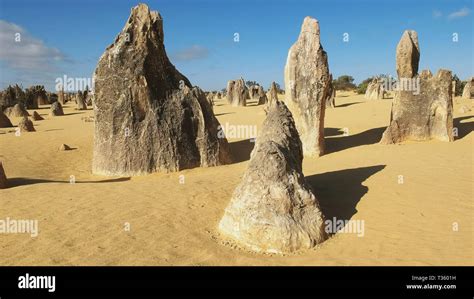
171	223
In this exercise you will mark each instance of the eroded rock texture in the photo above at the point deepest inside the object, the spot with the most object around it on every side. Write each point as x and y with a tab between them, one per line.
468	90
237	93
375	90
307	84
272	93
261	95
16	111
26	125
273	208
148	117
422	105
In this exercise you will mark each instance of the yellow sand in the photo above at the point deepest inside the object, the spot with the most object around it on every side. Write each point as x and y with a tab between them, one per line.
176	224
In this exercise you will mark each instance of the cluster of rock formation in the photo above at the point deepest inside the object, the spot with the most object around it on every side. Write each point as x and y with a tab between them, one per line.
29	98
273	208
422	115
307	84
375	90
468	91
237	92
148	117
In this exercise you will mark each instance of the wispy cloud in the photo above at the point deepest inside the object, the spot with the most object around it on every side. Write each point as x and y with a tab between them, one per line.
437	14
21	51
463	12
192	53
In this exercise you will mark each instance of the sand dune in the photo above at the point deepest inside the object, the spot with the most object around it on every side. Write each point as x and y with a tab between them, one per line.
176	224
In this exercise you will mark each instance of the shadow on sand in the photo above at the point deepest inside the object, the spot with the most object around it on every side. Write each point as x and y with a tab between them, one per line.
15	182
463	128
241	150
224	113
347	104
333	145
339	191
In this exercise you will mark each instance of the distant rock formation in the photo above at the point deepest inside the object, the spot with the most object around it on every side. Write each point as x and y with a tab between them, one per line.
61	98
424	112
272	95
273	209
262	97
64	147
237	92
36	116
36	95
468	91
16	111
56	109
12	95
253	91
3	177
81	100
26	125
148	117
331	94
307	84
375	90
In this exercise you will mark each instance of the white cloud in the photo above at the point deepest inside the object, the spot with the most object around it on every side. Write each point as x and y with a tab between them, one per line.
463	12
192	53
21	51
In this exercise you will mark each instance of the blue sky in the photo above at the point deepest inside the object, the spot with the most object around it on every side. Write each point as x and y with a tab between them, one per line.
67	37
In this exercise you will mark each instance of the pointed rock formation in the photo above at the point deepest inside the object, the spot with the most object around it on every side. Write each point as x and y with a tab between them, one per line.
237	92
3	177
148	117
375	90
422	105
262	97
56	109
61	98
307	83
64	147
4	120
16	111
273	209
408	55
36	116
272	95
81	100
26	125
468	91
